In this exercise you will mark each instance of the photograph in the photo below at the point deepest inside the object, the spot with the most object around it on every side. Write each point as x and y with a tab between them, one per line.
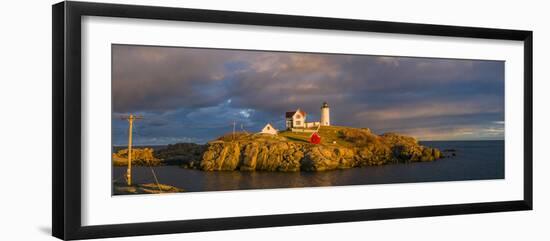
208	119
190	119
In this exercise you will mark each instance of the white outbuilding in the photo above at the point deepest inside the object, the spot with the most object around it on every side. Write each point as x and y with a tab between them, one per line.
269	129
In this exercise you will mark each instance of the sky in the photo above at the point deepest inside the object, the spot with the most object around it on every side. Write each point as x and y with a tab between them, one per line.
196	94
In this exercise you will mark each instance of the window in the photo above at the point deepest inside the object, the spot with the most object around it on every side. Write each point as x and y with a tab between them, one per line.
298	116
298	123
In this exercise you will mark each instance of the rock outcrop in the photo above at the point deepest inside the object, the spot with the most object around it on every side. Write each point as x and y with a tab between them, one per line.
140	157
340	148
146	188
357	148
182	154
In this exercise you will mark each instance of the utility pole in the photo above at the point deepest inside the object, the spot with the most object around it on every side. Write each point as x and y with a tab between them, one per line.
131	120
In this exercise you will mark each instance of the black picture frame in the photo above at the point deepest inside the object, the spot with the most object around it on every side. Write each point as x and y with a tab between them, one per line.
66	75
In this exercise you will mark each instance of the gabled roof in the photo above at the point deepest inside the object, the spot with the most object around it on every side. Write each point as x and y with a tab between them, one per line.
290	114
269	124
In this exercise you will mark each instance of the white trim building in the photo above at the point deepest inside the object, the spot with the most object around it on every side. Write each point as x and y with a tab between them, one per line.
295	119
269	129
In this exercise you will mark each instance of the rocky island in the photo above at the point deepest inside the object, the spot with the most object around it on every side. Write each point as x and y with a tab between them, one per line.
340	148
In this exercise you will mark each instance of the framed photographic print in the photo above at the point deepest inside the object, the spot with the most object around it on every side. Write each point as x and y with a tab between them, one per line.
170	120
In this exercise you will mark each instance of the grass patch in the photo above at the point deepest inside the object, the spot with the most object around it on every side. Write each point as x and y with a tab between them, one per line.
332	135
296	136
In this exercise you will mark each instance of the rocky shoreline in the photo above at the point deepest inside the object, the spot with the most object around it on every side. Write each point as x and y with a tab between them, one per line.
347	148
270	153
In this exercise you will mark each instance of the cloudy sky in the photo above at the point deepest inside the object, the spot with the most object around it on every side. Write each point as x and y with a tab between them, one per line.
195	95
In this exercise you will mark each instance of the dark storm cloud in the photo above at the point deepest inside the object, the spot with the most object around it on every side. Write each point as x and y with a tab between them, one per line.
160	79
197	94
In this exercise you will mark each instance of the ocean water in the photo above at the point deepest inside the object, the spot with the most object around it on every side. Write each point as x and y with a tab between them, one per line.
474	160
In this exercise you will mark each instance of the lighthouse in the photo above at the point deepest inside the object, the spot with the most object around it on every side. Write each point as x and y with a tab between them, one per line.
325	115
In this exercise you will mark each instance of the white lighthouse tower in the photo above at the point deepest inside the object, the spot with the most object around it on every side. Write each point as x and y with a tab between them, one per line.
325	115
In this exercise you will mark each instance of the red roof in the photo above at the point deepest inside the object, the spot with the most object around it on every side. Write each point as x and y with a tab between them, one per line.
290	114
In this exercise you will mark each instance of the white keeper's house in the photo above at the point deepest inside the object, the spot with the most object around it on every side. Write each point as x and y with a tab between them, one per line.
297	119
